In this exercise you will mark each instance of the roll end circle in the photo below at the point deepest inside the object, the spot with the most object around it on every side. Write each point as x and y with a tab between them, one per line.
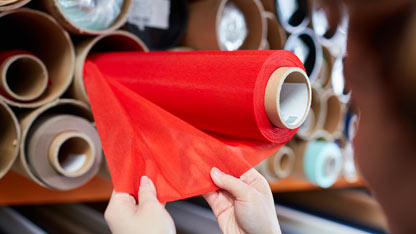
287	98
322	163
282	163
72	153
24	77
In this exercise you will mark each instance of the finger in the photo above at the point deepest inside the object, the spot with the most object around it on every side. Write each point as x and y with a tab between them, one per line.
218	201
147	192
254	179
229	183
120	204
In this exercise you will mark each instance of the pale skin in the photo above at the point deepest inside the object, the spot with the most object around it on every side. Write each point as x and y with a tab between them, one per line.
241	205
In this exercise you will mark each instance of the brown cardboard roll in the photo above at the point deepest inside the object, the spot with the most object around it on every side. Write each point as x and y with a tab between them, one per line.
9	138
293	14
23	77
7	5
276	35
25	29
269	5
324	76
53	8
316	117
114	41
205	16
335	114
60	147
337	82
287	98
279	165
306	46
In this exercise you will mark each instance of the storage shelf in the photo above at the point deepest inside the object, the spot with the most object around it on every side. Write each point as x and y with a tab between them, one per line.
17	190
292	185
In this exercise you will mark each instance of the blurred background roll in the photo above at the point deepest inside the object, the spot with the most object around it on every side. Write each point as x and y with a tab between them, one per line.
293	14
317	161
7	5
306	46
225	25
90	17
9	138
279	165
335	115
40	35
114	41
159	23
276	36
60	147
337	82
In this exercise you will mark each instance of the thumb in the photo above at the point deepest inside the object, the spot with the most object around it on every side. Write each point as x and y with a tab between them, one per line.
229	183
147	192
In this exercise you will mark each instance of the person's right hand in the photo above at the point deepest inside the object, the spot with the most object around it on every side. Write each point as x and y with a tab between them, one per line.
243	205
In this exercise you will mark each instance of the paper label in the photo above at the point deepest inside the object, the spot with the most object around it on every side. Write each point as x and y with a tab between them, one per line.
150	13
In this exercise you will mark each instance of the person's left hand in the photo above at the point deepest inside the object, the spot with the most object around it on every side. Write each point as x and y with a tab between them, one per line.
124	216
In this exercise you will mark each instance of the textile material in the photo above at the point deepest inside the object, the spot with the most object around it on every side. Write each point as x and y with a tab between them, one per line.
172	116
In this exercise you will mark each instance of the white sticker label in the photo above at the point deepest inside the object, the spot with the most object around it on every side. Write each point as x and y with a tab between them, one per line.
150	13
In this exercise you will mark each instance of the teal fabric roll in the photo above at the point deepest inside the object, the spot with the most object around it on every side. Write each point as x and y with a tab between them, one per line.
92	15
315	161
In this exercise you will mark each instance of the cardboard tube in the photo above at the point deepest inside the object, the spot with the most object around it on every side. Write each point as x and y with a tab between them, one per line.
23	77
114	41
53	8
60	147
287	98
72	153
276	36
12	4
324	76
337	82
317	161
279	165
306	46
335	115
316	117
204	21
293	14
9	138
269	5
55	50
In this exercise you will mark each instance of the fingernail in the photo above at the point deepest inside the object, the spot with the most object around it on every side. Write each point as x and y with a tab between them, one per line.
216	172
145	181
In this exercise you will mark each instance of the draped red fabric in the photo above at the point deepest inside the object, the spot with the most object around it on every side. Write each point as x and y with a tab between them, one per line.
172	116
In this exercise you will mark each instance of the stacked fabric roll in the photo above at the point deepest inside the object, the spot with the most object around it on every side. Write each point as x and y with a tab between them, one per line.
47	131
323	148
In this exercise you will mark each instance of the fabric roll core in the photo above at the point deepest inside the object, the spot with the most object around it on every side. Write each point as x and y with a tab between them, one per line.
287	97
24	77
282	162
72	153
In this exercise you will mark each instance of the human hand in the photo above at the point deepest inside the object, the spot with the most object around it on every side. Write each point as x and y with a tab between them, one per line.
124	216
243	205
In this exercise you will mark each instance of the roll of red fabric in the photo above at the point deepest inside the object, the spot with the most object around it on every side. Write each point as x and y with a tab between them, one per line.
174	115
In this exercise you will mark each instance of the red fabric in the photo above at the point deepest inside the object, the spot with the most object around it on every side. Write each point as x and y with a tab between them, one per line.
174	115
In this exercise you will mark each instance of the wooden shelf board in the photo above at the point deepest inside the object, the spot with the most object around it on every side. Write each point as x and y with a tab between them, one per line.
18	190
292	185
